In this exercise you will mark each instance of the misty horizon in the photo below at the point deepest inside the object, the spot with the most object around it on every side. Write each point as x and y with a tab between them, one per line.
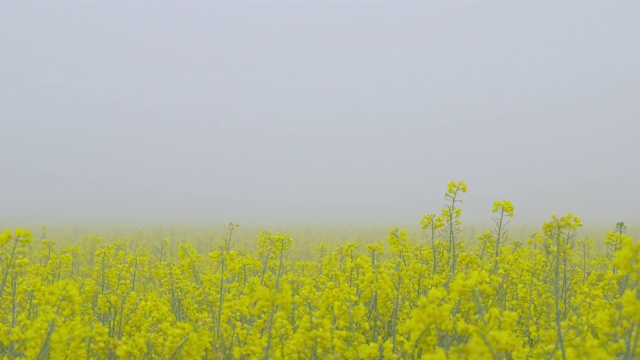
318	112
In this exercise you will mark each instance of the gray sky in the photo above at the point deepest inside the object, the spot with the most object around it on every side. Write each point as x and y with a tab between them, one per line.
317	111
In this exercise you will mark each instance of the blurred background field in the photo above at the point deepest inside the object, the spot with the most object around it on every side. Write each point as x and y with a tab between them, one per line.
306	237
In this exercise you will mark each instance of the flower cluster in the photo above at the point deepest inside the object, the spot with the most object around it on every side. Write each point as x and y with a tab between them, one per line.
551	297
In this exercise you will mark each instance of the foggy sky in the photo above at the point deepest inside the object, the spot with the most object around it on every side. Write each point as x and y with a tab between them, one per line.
318	111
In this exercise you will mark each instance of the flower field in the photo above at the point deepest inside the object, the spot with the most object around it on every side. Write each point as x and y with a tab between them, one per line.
555	295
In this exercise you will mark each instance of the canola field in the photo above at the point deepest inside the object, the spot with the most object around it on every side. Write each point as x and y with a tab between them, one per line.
555	295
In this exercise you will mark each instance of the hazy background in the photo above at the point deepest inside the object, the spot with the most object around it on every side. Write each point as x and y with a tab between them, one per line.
317	111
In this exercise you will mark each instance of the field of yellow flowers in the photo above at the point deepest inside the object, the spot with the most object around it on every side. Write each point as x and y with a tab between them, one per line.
553	296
